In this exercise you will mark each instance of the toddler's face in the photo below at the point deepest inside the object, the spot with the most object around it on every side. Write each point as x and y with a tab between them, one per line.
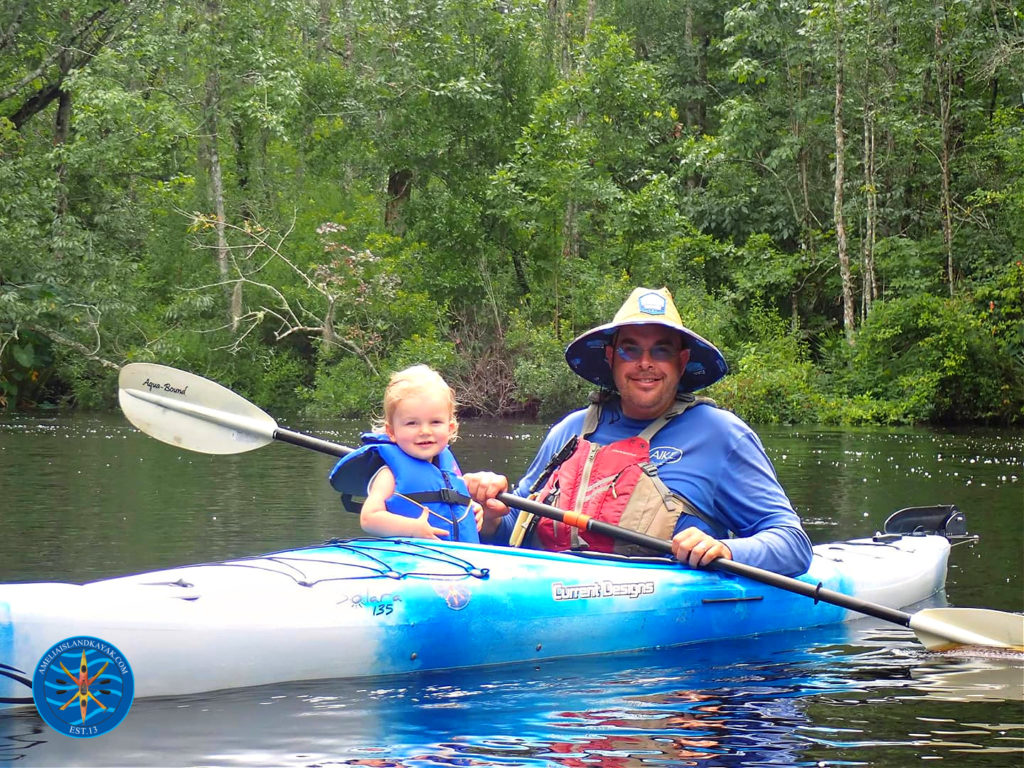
422	425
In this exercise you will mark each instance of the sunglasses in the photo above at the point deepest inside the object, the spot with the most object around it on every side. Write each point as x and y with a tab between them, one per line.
660	353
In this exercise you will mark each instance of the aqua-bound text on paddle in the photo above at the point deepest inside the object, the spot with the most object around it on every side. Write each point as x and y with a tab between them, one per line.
165	387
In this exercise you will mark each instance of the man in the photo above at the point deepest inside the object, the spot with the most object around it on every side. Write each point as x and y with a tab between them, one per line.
701	467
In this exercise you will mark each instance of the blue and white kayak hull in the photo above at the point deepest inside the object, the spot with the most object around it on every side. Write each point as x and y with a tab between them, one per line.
369	607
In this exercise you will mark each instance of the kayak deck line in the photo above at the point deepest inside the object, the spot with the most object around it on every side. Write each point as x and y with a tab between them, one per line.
291	563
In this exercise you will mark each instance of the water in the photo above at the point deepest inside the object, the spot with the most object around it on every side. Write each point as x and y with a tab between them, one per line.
87	497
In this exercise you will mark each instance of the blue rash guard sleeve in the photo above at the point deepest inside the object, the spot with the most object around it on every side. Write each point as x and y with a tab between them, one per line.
712	458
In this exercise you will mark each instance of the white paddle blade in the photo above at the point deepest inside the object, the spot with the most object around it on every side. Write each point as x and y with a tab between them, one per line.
941	629
191	412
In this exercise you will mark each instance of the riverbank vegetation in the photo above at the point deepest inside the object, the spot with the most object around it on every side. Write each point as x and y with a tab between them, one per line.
295	198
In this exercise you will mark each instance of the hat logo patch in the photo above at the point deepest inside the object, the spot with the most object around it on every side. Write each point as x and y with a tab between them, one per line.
652	304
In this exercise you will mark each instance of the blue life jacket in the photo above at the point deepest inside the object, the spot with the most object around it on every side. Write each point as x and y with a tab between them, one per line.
436	485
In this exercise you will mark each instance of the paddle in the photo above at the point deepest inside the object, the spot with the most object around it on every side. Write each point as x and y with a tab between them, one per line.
197	414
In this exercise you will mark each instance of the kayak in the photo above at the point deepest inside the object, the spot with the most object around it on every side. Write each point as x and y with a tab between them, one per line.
368	607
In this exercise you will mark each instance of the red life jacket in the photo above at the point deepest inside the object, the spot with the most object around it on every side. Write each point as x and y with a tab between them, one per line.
615	483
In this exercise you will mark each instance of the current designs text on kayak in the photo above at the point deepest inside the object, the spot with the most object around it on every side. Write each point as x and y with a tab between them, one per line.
599	589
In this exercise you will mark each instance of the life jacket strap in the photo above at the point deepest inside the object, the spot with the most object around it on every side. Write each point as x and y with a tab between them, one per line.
445	495
353	503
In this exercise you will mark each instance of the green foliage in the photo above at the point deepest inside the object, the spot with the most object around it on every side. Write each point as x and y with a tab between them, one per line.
472	184
430	350
908	267
1003	310
83	385
351	388
583	196
933	356
859	410
275	381
344	389
25	364
771	381
1003	317
543	381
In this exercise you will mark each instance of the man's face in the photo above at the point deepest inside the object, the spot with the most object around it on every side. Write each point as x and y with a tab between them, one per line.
647	363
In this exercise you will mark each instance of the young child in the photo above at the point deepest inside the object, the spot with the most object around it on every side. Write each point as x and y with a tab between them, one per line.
409	475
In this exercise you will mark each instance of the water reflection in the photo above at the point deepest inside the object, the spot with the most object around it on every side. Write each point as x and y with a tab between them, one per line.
785	699
971	676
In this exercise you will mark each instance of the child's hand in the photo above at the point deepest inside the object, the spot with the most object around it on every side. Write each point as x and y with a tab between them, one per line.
478	513
425	530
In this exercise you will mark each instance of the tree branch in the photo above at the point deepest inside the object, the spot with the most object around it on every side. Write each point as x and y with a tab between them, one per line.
59	338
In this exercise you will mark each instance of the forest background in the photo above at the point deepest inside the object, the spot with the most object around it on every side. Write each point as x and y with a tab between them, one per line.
297	197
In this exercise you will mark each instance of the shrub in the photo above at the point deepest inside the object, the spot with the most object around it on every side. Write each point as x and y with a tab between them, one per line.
345	389
770	382
542	378
933	356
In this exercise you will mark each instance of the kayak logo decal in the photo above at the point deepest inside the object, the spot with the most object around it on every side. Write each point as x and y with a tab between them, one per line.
455	596
601	589
90	701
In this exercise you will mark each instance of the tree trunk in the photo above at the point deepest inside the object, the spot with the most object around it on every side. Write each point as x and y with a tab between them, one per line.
211	105
559	13
329	337
399	189
945	87
837	203
809	224
570	252
591	9
695	49
870	283
869	287
689	109
61	131
871	211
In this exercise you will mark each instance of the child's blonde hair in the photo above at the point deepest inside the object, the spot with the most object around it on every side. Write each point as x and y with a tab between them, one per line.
410	382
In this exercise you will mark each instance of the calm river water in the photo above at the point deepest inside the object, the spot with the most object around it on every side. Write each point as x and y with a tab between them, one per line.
86	497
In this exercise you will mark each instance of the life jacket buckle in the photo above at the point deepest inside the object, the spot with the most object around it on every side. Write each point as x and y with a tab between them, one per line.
451	496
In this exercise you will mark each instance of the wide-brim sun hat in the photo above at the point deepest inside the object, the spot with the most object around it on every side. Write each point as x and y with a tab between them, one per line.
646	306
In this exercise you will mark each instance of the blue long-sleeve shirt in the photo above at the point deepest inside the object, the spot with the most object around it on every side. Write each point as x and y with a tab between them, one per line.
713	459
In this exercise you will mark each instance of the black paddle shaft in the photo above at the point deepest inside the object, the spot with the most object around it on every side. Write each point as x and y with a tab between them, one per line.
815	591
308	441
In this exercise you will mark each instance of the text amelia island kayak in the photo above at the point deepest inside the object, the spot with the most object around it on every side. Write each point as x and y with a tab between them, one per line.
364	607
